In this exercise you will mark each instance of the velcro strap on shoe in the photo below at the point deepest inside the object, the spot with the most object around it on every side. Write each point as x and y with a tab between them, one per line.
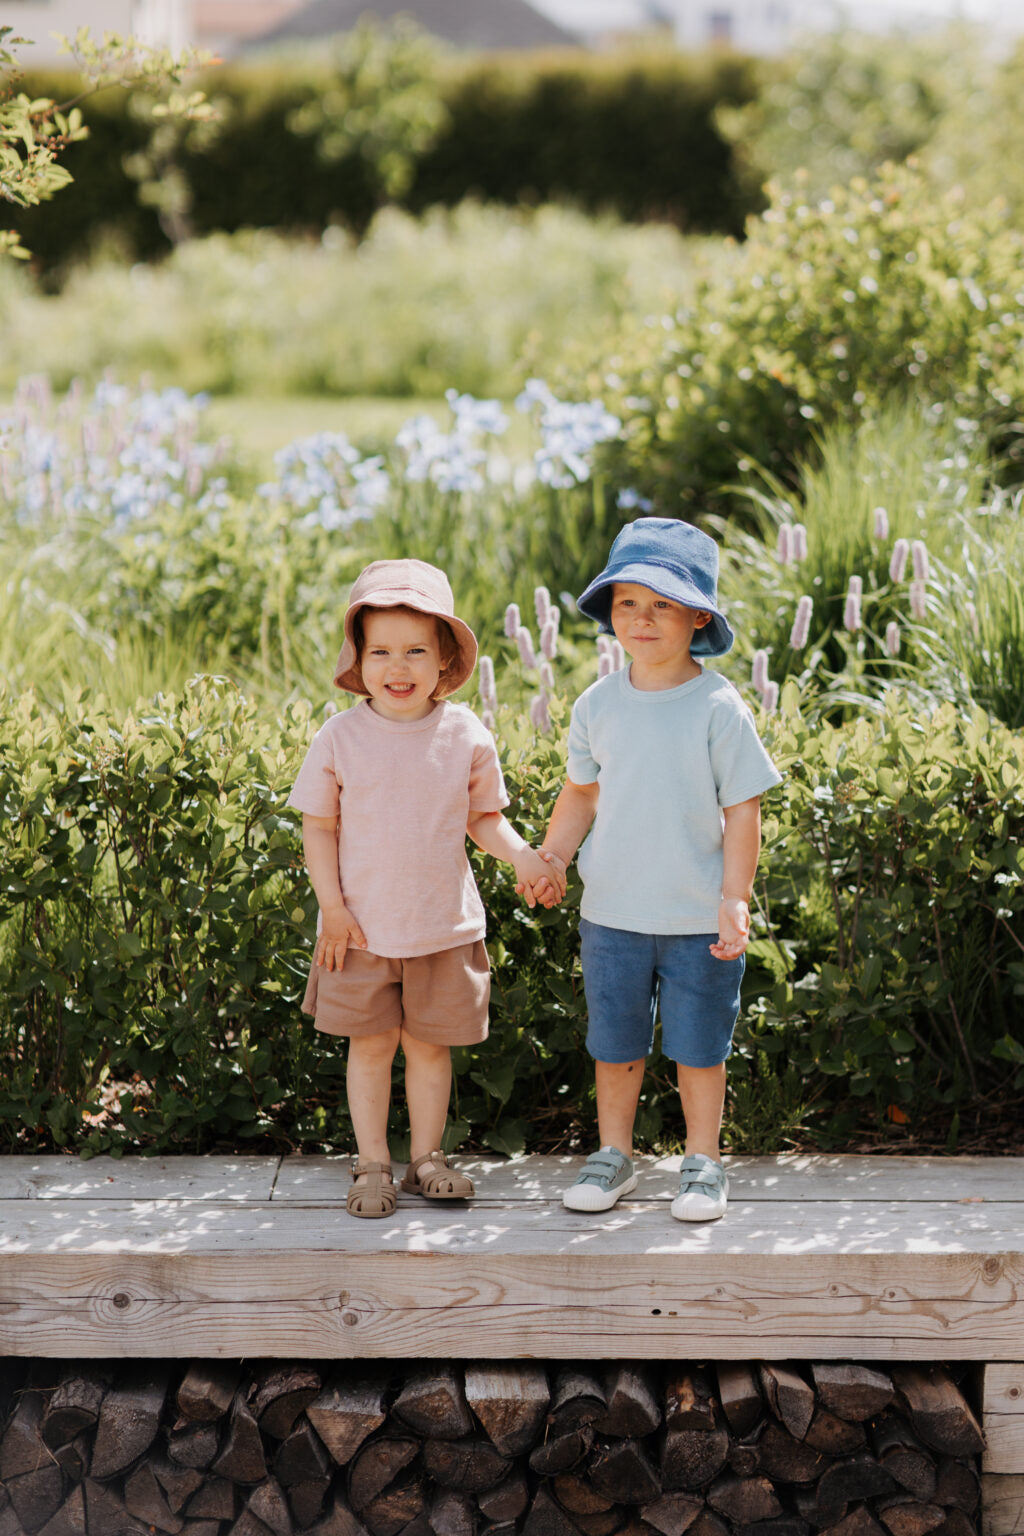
598	1167
706	1175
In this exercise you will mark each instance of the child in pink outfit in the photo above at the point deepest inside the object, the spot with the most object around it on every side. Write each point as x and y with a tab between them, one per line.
388	792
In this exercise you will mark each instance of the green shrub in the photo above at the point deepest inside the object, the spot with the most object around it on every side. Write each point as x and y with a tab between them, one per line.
155	930
843	103
156	924
827	313
894	880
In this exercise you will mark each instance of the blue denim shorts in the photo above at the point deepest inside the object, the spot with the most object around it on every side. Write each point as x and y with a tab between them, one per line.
629	977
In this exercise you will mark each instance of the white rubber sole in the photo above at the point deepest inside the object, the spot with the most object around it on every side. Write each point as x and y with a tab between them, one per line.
589	1197
693	1206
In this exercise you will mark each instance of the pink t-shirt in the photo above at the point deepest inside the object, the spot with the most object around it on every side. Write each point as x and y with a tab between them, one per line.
404	791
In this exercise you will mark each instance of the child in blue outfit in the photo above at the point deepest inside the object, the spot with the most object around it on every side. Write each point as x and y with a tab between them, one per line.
665	775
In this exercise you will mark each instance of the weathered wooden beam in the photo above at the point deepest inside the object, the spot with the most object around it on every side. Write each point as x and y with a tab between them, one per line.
1002	1504
492	1306
1002	1414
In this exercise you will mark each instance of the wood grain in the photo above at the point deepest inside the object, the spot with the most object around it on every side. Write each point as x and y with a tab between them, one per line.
490	1306
1002	1505
227	1257
1003	1417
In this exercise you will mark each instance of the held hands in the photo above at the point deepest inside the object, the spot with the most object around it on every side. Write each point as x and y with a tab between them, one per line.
540	877
340	930
733	928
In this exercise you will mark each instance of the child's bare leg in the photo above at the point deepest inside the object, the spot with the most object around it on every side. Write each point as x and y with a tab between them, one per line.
618	1094
428	1087
702	1091
368	1083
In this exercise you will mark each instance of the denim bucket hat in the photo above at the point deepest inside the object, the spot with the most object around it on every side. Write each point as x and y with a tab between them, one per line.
675	560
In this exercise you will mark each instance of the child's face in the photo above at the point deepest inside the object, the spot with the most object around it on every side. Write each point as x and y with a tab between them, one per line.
400	663
652	629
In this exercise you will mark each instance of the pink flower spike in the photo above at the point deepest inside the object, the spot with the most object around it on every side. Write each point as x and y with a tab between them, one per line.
604	645
784	547
881	524
547	676
549	640
759	671
512	621
487	716
851	613
770	698
618	656
802	623
527	655
856	587
919	555
604	665
539	717
488	687
919	599
541	605
799	543
898	562
892	638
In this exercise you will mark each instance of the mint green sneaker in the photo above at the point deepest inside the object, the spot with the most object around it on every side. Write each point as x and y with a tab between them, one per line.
703	1190
605	1177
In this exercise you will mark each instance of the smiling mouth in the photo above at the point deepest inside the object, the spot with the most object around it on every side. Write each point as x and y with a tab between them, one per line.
401	688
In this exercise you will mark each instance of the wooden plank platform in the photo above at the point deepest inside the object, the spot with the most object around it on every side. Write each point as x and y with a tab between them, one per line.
880	1258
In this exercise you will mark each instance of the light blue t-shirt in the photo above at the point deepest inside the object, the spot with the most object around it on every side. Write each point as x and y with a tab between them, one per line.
665	763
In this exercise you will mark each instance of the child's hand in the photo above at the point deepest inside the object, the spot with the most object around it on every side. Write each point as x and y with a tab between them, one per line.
538	880
733	929
340	930
556	878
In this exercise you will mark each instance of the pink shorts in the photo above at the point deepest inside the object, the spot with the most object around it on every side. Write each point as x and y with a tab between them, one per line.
440	999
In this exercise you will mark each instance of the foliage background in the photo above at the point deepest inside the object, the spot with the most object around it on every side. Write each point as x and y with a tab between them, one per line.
838	395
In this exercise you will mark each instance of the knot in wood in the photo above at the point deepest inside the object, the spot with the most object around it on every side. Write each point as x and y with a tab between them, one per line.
122	1300
992	1267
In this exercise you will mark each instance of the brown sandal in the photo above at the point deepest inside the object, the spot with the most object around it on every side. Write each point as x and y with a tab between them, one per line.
435	1185
377	1196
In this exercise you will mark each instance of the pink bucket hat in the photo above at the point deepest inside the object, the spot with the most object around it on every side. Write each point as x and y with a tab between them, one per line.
406	584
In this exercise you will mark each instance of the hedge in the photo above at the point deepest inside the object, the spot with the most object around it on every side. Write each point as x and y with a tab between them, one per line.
156	923
630	135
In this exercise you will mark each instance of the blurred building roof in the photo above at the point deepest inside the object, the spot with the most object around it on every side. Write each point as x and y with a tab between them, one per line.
465	23
223	25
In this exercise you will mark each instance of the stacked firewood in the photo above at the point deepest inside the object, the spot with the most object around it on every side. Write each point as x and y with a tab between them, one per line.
424	1449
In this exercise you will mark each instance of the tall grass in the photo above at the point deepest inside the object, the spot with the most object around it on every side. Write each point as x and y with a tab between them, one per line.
877	503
